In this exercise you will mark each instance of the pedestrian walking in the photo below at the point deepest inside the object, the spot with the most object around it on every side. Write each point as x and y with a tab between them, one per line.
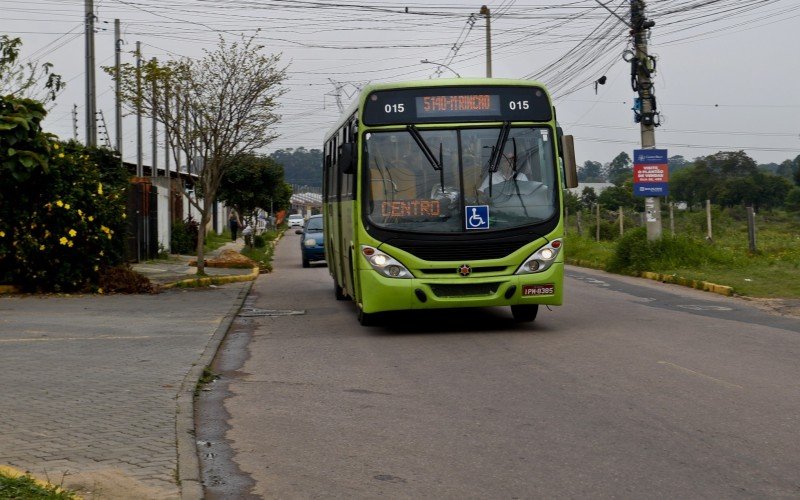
233	223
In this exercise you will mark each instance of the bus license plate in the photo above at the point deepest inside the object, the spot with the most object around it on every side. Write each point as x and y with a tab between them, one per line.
546	289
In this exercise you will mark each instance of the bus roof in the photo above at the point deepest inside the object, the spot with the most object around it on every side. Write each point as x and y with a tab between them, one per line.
439	82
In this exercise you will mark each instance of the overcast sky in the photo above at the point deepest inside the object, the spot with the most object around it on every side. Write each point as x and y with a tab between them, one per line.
728	70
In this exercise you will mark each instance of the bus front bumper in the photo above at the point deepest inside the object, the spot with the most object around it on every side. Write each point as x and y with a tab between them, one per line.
379	293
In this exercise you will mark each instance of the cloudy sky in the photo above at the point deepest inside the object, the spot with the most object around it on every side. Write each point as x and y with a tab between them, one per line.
727	78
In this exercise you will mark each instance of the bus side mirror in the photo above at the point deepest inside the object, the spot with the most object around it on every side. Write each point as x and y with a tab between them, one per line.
347	158
570	171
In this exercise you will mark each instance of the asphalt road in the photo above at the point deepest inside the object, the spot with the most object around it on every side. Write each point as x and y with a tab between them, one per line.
633	389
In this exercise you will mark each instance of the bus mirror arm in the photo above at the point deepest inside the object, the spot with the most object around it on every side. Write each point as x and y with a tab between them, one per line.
570	170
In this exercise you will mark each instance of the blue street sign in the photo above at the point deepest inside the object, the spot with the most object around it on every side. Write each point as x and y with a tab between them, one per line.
649	156
651	189
477	216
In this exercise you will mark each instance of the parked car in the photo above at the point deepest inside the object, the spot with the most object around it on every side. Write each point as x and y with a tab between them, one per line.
312	243
295	220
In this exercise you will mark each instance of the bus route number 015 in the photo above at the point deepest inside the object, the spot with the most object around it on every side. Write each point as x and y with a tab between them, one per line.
394	108
515	105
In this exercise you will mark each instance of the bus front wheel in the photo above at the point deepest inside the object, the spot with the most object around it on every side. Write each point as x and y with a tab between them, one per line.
524	313
338	291
367	319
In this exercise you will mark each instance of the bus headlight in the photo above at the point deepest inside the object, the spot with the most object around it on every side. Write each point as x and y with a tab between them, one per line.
385	264
542	259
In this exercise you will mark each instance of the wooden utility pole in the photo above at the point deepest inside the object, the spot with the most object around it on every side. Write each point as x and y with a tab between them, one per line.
118	86
642	67
139	159
485	12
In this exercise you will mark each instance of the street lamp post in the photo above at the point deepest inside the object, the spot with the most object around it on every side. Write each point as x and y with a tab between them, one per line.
425	61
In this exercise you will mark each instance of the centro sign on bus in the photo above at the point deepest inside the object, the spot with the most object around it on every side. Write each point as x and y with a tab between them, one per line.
650	172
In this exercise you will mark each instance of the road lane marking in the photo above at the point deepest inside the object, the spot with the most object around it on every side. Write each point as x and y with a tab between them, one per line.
702	375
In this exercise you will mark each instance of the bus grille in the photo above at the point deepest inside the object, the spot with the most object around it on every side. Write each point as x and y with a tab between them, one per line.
466	290
464	251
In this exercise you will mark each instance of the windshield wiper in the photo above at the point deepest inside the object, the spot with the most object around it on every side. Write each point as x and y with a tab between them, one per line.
497	152
436	163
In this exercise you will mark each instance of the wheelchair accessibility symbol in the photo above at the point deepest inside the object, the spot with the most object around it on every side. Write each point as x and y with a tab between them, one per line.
477	216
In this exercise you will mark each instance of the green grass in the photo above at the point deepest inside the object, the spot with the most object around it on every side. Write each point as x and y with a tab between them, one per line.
214	240
25	488
771	271
262	256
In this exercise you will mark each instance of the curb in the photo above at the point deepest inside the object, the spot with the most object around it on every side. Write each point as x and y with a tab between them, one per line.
213	280
189	480
696	284
11	472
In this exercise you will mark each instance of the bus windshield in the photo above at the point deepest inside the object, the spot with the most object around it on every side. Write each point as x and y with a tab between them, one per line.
508	173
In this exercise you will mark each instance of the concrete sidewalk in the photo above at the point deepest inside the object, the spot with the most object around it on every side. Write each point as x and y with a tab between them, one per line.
176	269
98	390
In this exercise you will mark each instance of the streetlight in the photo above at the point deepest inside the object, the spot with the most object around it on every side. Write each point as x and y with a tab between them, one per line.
425	61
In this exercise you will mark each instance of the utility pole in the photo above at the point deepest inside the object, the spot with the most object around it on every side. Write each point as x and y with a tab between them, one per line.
154	126
91	93
139	161
75	122
642	67
118	86
485	12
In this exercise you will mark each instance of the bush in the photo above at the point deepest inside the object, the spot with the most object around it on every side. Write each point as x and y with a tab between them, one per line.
184	236
62	214
635	254
259	241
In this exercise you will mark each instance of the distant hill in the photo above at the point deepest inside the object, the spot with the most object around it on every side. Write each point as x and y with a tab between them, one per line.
301	166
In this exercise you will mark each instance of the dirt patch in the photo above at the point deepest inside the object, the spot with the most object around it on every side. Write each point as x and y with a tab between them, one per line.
783	307
228	258
111	484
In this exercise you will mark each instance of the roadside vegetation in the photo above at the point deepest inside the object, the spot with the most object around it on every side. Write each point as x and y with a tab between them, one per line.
726	259
25	487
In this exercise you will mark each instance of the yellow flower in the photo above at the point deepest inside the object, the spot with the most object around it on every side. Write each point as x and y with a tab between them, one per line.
66	206
100	188
56	146
41	247
60	155
73	233
124	216
104	229
101	253
47	234
80	212
96	268
100	291
63	240
60	203
70	244
2	234
91	218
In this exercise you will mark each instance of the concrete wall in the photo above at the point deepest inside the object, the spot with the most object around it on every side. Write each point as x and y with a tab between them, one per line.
163	212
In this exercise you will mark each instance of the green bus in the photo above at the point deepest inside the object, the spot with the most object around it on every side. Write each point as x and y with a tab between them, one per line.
447	194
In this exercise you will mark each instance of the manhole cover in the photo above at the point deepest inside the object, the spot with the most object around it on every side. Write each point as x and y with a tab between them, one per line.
254	312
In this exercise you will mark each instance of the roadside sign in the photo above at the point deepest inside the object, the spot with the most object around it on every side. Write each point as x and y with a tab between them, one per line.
650	172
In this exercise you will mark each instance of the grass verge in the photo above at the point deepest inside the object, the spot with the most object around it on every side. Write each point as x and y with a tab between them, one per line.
25	487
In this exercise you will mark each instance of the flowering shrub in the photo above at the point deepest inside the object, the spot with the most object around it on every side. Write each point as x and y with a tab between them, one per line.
62	215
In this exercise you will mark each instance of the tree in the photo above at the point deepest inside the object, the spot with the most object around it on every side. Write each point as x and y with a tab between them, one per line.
300	166
785	169
588	197
226	101
30	80
796	167
677	163
254	182
591	171
620	169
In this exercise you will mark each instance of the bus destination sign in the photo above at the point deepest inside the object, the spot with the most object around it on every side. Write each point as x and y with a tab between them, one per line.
456	104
